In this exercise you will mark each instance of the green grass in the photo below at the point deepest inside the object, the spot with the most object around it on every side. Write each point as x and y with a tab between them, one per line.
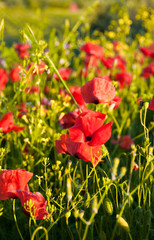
39	19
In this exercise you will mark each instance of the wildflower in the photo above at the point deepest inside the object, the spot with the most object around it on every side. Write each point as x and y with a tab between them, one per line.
76	92
148	71
22	49
37	68
136	167
3	78
11	181
124	142
115	102
64	73
86	137
33	89
7	124
148	51
93	49
124	79
33	204
15	74
98	90
22	110
69	119
115	62
151	104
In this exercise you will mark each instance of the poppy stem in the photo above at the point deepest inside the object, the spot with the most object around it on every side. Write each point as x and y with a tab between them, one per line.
63	82
40	228
15	219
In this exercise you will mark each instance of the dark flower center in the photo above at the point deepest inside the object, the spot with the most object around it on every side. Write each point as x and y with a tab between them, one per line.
88	138
96	101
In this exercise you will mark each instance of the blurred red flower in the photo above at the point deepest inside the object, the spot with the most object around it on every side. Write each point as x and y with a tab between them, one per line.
37	68
7	124
33	89
124	142
98	90
3	78
86	137
93	49
22	49
115	102
124	79
22	110
148	51
11	181
64	73
33	203
15	74
148	71
151	104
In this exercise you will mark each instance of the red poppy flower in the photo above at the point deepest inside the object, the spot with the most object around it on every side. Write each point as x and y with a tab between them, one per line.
22	49
22	110
3	78
124	142
33	203
33	89
37	68
124	79
90	61
115	102
15	74
76	92
136	167
64	73
145	51
93	49
98	90
86	137
148	51
148	71
69	119
11	181
7	124
151	104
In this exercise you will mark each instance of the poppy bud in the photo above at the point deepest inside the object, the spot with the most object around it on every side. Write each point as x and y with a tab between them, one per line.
94	205
81	214
115	166
69	191
122	223
108	206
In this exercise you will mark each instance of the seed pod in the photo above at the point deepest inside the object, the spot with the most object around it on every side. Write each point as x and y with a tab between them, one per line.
115	166
76	213
69	191
94	205
108	206
123	171
68	213
81	214
122	223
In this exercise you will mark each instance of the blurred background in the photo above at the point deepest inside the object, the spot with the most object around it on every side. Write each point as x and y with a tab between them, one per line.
44	15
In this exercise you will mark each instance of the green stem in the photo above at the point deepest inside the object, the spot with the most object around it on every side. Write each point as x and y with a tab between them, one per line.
63	82
94	213
40	228
15	219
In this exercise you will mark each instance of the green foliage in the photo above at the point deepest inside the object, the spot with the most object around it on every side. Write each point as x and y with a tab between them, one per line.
107	201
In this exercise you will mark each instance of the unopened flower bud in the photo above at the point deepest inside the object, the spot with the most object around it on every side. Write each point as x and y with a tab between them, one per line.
108	206
69	191
122	223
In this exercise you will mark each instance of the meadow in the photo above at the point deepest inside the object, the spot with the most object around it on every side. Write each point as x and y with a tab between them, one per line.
77	128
